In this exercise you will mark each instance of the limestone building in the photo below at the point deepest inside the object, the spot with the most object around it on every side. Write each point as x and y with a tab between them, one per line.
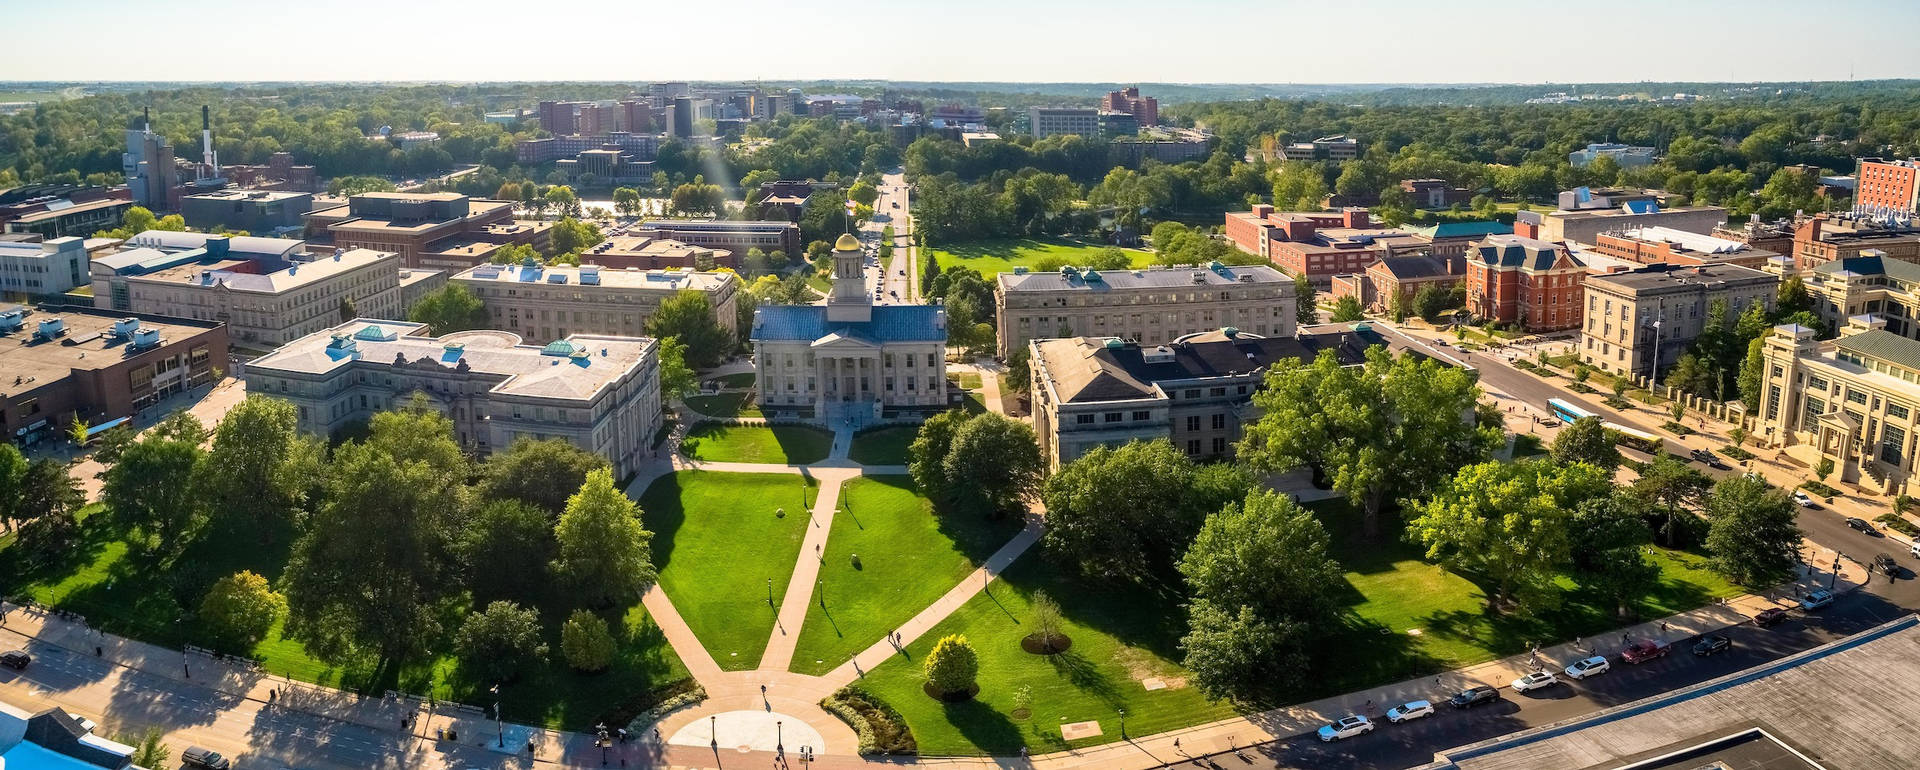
1869	284
1631	314
1851	400
600	392
1150	307
848	358
550	302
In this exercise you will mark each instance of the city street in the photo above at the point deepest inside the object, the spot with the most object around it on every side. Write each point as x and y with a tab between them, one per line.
896	279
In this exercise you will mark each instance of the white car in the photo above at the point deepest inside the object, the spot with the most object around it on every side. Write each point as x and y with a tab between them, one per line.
1347	727
1593	666
1411	710
1802	498
1535	681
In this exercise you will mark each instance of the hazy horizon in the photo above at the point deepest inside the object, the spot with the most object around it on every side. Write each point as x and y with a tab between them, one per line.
1482	42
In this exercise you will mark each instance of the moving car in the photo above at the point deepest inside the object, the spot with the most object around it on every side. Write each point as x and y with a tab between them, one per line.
1476	695
15	659
1802	498
206	759
1413	709
1857	523
1347	727
1769	617
1535	681
1643	651
1817	600
1712	645
1885	565
1593	666
1707	457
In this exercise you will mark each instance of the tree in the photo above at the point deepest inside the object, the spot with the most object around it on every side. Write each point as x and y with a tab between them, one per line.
1347	309
1391	429
585	642
571	236
505	548
604	552
1753	371
497	641
688	317
993	466
238	610
1738	435
1258	576
952	666
543	473
1690	375
1753	532
181	426
626	200
562	199
260	468
863	192
1044	612
1126	512
1306	311
1509	522
1433	304
348	186
151	490
77	430
377	557
1587	441
150	750
13	476
1823	469
348	311
451	308
926	456
1674	489
1609	551
46	491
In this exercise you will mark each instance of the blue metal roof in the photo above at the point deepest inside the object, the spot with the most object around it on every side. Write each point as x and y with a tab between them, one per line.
891	323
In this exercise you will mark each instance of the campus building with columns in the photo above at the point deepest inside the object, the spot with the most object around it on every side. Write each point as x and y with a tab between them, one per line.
849	357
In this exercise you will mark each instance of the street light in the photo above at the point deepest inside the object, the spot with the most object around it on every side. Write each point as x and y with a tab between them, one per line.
604	743
779	738
769	592
1123	723
499	723
713	729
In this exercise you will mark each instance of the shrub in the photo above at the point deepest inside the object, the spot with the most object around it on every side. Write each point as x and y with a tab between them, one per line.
497	641
952	666
880	728
239	609
674	697
1820	488
1899	524
585	642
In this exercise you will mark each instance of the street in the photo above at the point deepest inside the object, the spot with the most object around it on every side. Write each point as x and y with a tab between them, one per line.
895	280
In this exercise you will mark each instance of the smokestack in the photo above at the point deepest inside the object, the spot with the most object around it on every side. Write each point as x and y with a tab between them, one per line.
209	160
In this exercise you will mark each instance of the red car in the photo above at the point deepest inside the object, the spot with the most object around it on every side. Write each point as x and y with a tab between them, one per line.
1643	651
1770	616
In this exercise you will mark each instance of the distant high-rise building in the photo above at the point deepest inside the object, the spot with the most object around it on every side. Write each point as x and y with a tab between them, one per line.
1144	109
663	94
688	112
148	166
1887	186
1049	121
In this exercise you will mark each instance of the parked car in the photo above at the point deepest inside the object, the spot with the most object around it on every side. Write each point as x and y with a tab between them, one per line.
1535	681
1803	499
1476	695
1643	651
206	759
1411	710
1817	600
17	660
1712	645
1593	666
1347	727
1885	565
1857	523
1769	617
1707	457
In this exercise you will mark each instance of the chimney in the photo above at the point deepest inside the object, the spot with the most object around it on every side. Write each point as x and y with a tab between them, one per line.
1261	210
1526	229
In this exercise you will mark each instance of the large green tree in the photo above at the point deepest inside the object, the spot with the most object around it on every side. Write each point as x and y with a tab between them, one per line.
543	473
1128	512
239	610
1391	429
1509	522
952	666
451	308
260	469
505	548
1259	575
605	554
992	466
1753	533
1672	490
927	455
151	490
1609	551
500	641
13	474
688	317
1587	441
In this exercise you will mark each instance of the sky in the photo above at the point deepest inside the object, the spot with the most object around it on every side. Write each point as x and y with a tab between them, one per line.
1176	41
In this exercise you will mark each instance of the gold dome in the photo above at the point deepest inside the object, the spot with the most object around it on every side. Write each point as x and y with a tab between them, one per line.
846	243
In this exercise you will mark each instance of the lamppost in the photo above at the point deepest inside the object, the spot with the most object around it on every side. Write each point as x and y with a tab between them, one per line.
769	592
499	723
713	729
1123	723
779	738
604	743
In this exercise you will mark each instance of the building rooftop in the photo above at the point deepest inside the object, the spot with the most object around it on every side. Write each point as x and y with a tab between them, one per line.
236	275
1695	242
1463	230
55	740
890	323
157	249
1870	263
1513	251
1622	211
718	224
78	338
1214	274
1654	279
1883	345
1834	706
594	275
591	362
647	246
1418	266
361	223
1094	369
263	196
62	208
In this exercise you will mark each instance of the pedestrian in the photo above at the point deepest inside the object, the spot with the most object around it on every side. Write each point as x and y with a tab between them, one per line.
99	652
1023	752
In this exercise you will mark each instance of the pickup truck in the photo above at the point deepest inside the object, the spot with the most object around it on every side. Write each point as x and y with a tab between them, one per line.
1643	651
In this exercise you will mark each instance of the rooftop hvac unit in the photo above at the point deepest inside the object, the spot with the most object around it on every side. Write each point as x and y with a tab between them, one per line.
51	328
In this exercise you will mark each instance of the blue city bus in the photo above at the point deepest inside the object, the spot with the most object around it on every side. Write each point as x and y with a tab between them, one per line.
1566	411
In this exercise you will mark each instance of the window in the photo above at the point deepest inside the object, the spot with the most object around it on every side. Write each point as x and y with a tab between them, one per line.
1773	402
1896	411
1193	446
1142	416
1083	419
1193	422
1111	417
1856	397
1220	421
1815	408
1219	445
1892	443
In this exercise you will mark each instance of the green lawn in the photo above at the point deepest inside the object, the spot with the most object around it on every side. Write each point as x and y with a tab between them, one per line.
1120	636
1002	255
105	579
736	380
717	541
723	405
968	380
785	444
883	446
908	558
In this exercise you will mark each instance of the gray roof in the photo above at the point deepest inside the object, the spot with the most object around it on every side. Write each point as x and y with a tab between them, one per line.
1158	278
1883	345
1094	369
1656	278
525	370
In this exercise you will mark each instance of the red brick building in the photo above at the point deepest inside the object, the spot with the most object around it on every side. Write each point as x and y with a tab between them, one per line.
1665	245
1531	283
65	362
1316	244
1890	185
1144	109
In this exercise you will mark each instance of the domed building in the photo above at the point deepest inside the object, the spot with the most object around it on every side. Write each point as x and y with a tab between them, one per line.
848	358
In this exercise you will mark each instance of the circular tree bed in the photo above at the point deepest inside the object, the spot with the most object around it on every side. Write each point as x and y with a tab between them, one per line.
1035	645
